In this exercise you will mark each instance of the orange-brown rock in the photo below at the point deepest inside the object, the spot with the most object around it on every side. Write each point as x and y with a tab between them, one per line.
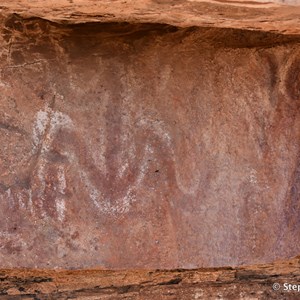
279	280
273	15
147	146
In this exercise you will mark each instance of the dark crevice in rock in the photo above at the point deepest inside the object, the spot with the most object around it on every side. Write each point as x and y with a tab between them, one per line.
219	37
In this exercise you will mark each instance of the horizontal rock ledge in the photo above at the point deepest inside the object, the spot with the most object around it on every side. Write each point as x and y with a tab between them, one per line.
274	16
252	282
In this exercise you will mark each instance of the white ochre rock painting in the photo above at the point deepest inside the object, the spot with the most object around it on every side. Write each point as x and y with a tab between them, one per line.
46	197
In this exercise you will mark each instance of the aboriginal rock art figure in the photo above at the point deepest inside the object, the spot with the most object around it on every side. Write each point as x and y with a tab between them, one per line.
110	176
111	186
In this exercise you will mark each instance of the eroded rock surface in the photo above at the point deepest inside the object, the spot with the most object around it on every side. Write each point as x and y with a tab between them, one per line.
265	281
147	146
274	15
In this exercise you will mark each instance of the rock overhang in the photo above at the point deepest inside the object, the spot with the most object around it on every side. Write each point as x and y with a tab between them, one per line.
276	16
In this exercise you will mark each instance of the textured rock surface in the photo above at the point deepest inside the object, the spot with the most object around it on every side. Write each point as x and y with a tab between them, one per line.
147	146
253	282
274	15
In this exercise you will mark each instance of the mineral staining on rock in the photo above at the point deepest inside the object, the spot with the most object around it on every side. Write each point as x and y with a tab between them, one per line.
127	146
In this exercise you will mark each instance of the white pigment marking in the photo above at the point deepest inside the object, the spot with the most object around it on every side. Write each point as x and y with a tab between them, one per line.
60	201
20	201
39	128
55	120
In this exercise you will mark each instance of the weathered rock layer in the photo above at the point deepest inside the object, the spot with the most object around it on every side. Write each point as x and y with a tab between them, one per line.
279	280
273	15
137	146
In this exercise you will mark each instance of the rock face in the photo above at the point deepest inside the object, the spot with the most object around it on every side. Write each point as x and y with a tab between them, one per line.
147	146
252	282
273	15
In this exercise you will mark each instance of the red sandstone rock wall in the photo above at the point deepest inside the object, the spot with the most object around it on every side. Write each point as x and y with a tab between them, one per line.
138	146
267	15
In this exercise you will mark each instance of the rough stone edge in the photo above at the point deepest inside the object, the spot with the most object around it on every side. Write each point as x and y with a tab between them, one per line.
251	15
255	281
